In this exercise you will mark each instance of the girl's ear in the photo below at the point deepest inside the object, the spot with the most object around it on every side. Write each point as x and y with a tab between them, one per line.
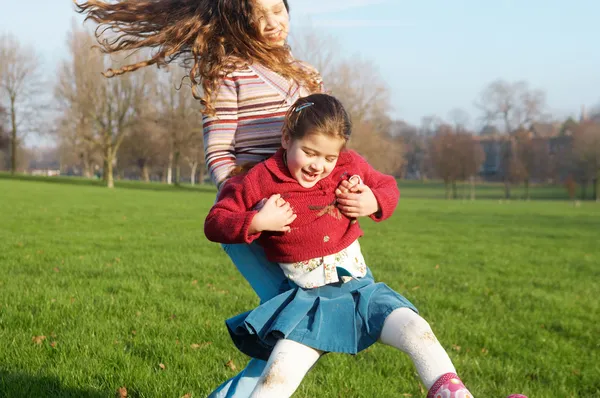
285	140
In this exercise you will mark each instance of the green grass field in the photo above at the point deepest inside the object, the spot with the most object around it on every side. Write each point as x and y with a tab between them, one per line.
102	289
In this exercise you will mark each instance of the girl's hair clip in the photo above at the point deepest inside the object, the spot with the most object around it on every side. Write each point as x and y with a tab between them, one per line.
304	105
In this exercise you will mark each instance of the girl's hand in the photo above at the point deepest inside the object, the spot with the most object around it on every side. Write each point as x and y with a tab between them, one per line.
275	215
356	199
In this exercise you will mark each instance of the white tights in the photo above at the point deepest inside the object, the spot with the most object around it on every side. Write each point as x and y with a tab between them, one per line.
402	329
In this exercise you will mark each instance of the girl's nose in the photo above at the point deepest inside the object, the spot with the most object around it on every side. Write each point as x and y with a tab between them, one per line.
316	167
271	22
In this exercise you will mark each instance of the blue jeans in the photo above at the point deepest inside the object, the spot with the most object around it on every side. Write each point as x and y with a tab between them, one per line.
266	278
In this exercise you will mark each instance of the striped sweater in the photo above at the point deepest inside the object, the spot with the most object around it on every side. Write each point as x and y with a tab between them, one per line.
250	108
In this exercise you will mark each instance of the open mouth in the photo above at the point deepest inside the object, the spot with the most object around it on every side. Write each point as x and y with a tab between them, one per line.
275	36
310	177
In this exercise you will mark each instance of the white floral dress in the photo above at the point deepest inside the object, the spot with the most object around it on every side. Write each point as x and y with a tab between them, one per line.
322	271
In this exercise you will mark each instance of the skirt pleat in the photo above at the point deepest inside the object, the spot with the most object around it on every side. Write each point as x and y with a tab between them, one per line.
341	317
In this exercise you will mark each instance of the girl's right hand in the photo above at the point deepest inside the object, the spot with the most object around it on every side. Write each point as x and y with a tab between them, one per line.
275	215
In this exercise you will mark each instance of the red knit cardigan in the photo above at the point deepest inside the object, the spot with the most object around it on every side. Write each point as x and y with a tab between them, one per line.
320	229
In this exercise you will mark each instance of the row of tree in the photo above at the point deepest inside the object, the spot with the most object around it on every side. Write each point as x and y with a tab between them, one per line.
147	125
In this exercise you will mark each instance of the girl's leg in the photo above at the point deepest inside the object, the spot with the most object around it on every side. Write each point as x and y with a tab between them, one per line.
408	332
287	366
266	279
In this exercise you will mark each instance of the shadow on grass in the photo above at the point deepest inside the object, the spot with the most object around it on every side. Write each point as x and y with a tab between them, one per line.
119	184
19	385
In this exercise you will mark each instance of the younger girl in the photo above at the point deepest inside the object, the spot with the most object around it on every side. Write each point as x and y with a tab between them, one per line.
334	305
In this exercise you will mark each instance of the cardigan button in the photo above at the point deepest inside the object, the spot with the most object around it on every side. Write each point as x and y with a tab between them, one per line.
326	239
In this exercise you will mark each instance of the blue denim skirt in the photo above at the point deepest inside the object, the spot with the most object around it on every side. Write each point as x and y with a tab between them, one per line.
341	317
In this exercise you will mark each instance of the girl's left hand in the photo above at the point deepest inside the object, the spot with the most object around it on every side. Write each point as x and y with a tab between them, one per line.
356	200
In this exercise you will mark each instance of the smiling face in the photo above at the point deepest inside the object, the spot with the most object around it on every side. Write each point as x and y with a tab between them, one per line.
312	157
272	21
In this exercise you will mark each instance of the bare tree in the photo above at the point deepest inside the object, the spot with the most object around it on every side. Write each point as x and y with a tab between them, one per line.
455	155
383	152
460	119
531	159
414	147
443	151
359	86
319	49
586	151
142	147
75	150
523	160
430	124
512	104
181	118
19	83
4	138
193	154
470	157
515	106
109	105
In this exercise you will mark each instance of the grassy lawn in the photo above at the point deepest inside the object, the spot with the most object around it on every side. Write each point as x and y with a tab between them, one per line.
102	289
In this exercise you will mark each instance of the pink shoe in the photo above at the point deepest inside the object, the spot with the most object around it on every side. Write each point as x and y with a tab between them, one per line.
449	386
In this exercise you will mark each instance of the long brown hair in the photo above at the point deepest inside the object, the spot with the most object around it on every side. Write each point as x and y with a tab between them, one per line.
215	37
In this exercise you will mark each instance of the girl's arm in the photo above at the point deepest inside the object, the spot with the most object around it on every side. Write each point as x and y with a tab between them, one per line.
384	187
219	132
229	220
376	196
236	218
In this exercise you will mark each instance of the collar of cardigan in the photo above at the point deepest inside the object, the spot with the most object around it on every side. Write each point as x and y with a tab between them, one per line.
276	164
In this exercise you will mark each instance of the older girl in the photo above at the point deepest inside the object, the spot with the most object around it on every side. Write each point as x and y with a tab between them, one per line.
245	75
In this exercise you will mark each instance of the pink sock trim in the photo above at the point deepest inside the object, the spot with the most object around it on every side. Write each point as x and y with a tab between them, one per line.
440	382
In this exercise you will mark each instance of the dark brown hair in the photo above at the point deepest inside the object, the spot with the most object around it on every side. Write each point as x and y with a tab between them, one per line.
215	37
317	114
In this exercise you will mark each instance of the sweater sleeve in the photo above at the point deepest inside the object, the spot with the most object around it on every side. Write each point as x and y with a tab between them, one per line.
219	131
229	219
384	187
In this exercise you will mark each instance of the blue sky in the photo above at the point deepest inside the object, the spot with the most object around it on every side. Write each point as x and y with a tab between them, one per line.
435	55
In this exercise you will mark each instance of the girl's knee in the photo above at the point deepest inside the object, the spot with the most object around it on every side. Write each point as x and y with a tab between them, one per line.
287	366
404	326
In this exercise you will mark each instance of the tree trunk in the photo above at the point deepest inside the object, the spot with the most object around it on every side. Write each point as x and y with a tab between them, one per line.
170	169
118	171
110	183
13	137
472	188
201	175
177	168
108	171
454	193
527	197
583	190
597	187
193	167
506	189
447	184
105	170
145	172
87	167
